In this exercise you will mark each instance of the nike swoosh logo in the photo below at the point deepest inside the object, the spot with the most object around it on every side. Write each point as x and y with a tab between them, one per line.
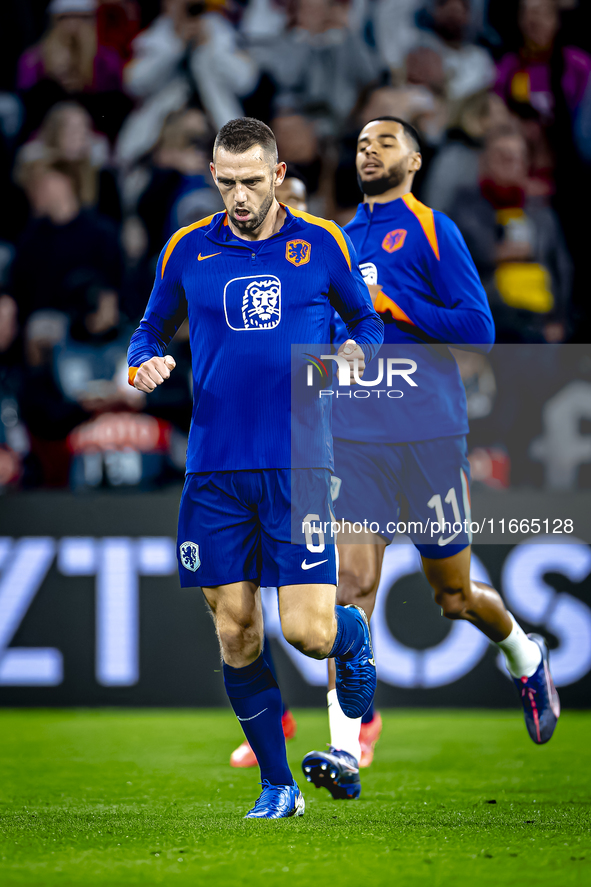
306	566
210	256
441	541
253	717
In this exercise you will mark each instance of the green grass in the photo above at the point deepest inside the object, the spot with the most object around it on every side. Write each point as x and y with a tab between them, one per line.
147	797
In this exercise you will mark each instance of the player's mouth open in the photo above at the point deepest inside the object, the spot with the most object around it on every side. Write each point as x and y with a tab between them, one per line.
372	167
242	214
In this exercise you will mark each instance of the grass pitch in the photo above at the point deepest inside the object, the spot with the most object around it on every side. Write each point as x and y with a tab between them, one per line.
138	797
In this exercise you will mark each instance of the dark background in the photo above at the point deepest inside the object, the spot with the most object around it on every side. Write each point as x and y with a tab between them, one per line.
179	661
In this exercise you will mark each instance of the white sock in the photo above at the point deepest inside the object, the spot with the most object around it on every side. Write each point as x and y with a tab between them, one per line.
521	654
344	731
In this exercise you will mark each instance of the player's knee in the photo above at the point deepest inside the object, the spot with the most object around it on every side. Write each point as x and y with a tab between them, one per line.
239	638
452	601
312	640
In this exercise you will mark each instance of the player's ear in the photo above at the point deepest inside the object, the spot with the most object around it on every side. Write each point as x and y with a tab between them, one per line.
212	171
280	173
416	161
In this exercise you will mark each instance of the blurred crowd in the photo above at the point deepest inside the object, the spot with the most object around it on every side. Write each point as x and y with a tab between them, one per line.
108	110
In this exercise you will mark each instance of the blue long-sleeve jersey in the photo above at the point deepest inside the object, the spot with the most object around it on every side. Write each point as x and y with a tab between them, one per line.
431	297
248	304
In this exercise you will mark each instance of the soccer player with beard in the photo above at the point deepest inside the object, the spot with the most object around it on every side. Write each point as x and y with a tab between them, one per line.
253	281
291	192
424	284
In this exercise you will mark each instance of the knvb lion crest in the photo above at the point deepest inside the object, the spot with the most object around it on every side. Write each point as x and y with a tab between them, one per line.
298	252
261	304
394	240
190	556
253	302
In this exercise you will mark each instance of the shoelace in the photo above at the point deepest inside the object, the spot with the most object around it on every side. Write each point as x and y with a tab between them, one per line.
531	698
269	794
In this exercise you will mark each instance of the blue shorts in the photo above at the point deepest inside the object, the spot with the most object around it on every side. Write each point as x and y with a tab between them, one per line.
258	526
432	475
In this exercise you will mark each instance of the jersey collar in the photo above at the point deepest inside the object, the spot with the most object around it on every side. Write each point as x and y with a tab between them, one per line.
220	232
395	209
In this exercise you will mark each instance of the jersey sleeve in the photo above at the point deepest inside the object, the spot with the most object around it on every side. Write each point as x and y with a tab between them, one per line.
349	294
463	315
166	310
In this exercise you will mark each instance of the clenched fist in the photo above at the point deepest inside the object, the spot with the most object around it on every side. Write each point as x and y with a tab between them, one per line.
353	354
153	373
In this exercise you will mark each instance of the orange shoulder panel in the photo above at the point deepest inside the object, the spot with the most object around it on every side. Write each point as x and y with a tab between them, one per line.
426	218
179	236
331	227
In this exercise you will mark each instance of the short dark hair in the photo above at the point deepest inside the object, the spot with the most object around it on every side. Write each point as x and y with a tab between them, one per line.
237	136
410	132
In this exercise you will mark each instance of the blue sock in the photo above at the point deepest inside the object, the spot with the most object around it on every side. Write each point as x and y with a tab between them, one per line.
268	657
349	639
256	700
369	715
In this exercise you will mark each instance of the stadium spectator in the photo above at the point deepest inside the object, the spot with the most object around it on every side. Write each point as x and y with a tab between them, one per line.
395	30
15	208
69	62
66	139
468	68
189	55
543	70
62	242
264	19
320	65
298	145
180	190
13	439
118	22
551	77
414	103
49	417
88	361
456	164
517	245
424	67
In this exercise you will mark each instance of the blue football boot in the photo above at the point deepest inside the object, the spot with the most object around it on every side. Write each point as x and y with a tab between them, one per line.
541	704
278	802
356	678
336	770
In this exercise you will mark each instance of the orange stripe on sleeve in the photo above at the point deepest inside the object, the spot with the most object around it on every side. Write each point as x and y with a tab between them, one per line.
131	374
179	236
328	226
425	216
384	303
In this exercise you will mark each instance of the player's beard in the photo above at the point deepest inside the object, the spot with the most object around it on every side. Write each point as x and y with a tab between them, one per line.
392	178
257	218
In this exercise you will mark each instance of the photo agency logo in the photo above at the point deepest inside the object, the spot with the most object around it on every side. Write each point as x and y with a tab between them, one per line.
391	371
